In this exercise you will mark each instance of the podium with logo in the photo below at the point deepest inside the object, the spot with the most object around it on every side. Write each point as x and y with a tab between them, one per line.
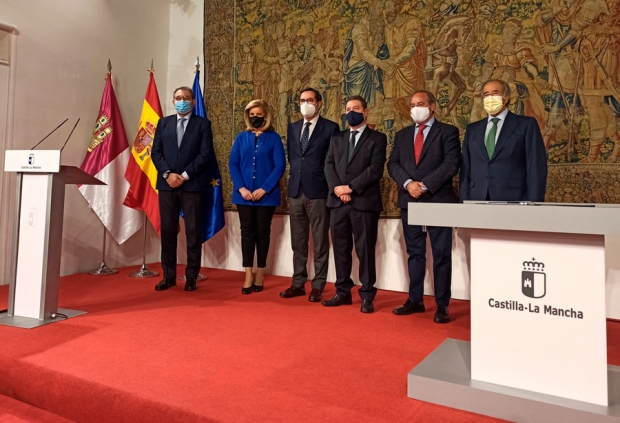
538	348
37	245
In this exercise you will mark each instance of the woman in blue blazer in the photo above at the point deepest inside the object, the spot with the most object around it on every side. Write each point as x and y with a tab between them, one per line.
256	165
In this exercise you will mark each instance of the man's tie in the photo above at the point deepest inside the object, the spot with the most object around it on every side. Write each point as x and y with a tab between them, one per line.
180	130
491	138
418	143
305	136
352	144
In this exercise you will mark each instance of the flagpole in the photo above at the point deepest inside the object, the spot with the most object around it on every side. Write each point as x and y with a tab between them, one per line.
103	269
144	271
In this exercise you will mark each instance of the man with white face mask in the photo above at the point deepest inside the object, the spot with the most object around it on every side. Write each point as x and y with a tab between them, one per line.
504	157
307	144
424	160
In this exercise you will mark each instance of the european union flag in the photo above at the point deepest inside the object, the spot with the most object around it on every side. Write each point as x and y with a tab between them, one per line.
214	205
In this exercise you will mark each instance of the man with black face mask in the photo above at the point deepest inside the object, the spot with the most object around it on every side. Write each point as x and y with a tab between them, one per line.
182	146
307	143
353	168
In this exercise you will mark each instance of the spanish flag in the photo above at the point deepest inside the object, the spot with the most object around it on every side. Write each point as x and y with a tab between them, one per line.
141	172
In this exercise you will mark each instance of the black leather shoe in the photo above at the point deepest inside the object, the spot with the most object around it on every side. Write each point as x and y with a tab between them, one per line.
190	284
338	300
409	308
248	290
165	284
367	306
315	296
441	315
257	288
293	291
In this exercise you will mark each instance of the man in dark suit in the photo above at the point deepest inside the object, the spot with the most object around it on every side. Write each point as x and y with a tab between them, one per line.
504	157
424	160
307	143
181	148
354	167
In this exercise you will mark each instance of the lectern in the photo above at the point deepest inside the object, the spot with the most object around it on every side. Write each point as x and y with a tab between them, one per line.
39	205
538	348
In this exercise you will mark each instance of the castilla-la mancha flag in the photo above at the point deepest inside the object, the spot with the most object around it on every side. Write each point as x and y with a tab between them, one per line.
141	172
106	160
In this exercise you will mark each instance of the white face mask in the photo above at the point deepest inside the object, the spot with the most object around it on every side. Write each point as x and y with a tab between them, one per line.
493	104
307	109
420	114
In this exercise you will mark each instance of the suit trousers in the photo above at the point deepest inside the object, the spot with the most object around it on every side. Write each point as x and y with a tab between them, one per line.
305	214
255	222
170	205
441	246
348	224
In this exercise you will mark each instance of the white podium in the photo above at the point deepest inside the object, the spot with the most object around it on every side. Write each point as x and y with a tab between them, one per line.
538	347
39	205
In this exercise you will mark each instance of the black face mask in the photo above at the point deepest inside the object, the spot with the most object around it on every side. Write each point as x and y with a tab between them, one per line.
257	121
354	118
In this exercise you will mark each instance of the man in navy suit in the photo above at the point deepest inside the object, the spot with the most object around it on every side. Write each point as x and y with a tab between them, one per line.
504	157
424	160
307	143
353	168
181	149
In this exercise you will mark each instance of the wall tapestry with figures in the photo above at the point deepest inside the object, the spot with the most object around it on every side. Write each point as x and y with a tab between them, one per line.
561	58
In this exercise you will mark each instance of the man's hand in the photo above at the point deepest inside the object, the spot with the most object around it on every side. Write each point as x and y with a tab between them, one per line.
175	180
258	194
345	198
246	194
414	189
342	190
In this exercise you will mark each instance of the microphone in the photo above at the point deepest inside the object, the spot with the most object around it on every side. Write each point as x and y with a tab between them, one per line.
63	122
63	146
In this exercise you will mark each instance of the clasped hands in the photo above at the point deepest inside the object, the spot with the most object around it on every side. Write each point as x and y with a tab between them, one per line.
175	180
343	192
414	189
252	196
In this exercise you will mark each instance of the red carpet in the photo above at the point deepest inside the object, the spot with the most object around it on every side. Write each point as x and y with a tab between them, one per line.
216	355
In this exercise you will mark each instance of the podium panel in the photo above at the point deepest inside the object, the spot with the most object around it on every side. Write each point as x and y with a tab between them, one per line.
536	318
41	180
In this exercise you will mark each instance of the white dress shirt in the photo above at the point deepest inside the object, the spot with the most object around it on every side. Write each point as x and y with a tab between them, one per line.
500	123
184	174
311	128
359	133
415	134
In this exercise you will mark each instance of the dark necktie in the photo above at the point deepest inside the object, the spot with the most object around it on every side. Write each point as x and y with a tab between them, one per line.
418	143
491	138
352	144
305	136
180	130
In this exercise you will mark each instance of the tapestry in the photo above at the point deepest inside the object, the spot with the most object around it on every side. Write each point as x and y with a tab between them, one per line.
560	58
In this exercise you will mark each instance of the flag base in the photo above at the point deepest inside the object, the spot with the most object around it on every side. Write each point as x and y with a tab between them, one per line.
103	270
144	272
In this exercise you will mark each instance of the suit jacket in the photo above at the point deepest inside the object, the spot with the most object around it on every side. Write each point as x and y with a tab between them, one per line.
191	156
255	165
306	172
516	172
363	172
439	163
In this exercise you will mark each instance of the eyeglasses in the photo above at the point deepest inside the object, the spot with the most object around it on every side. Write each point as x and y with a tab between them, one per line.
309	101
184	98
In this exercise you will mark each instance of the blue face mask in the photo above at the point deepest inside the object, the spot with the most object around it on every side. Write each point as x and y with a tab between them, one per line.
183	106
355	118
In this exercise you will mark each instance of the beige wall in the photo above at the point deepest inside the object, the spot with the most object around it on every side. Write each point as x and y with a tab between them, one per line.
62	50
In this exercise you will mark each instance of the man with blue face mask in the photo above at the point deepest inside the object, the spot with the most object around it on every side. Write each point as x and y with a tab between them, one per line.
353	169
182	146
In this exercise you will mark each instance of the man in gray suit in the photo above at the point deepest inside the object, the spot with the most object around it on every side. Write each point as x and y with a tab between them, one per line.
307	144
